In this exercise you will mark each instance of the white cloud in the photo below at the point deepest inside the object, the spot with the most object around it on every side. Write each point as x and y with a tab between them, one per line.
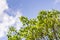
57	1
6	20
3	6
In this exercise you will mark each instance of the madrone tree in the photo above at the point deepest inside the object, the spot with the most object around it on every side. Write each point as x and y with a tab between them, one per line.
46	24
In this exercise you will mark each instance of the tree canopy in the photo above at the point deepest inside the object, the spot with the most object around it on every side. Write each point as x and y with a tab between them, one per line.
46	26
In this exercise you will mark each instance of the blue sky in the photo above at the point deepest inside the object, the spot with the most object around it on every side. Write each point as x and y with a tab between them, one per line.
10	10
30	8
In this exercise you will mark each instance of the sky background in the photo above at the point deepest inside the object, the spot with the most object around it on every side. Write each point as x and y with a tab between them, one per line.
10	10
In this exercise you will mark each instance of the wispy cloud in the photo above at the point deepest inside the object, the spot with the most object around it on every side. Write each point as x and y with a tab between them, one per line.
6	20
57	1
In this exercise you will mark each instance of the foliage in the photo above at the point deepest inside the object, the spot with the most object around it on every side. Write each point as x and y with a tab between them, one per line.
46	24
